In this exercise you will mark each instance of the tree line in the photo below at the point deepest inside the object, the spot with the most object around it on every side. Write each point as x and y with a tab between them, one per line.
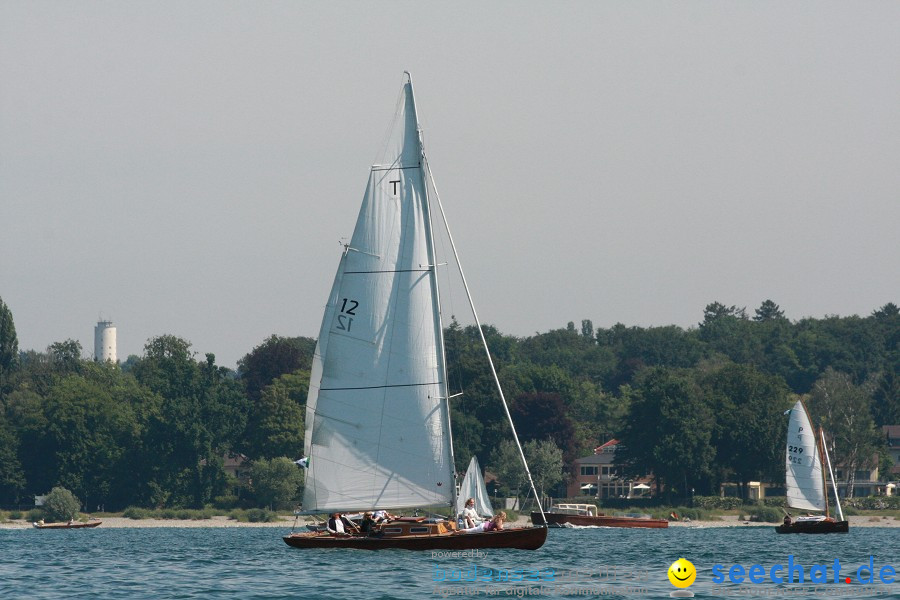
695	406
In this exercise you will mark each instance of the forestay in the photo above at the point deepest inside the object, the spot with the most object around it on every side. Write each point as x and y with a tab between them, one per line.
805	483
376	428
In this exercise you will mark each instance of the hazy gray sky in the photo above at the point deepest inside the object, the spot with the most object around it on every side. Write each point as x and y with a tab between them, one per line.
189	167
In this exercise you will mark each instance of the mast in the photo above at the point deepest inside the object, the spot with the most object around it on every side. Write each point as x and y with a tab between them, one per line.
822	458
483	339
436	295
837	499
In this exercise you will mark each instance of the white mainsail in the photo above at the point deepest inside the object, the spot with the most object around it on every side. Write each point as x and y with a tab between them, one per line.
472	486
804	477
377	432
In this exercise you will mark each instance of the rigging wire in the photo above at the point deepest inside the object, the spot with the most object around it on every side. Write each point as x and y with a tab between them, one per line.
481	333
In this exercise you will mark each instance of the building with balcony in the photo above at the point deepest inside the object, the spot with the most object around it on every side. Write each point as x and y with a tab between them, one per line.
599	475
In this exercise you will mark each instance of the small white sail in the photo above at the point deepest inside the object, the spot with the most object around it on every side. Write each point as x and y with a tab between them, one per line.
472	486
804	481
377	433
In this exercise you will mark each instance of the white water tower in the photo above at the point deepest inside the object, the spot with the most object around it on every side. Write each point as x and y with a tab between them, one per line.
105	342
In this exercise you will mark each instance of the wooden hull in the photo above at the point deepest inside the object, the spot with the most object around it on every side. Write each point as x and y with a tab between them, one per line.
815	527
67	525
523	538
561	520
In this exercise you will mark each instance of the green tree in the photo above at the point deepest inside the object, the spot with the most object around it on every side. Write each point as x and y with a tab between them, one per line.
88	434
12	477
506	463
587	329
275	357
65	357
25	414
9	350
545	461
276	482
845	413
202	415
275	427
636	348
727	330
886	397
61	505
543	415
579	356
749	431
768	311
669	431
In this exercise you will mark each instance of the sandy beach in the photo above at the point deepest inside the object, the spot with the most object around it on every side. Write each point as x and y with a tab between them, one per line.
287	522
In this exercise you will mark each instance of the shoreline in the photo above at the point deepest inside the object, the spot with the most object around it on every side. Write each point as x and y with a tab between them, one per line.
522	521
124	522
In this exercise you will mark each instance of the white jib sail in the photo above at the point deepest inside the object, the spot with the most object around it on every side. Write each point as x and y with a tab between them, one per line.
804	482
472	486
376	430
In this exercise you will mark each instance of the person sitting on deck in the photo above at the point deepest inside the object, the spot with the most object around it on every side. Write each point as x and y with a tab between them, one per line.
469	515
787	520
383	516
368	524
495	524
340	525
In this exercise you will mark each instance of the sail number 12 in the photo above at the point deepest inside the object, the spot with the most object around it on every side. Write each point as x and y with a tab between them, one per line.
345	318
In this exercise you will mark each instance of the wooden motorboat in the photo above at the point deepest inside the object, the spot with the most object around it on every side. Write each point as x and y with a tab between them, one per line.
417	533
583	515
69	525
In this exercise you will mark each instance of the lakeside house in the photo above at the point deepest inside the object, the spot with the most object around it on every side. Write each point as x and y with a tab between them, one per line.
599	475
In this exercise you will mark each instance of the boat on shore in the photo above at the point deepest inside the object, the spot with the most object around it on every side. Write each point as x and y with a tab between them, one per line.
805	458
68	525
378	409
585	515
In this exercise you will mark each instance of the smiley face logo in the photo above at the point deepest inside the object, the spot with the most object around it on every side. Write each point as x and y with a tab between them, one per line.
682	573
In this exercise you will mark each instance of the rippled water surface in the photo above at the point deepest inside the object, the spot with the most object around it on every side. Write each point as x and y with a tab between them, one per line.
252	562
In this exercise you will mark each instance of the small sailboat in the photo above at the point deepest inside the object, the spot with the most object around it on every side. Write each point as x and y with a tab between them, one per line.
378	413
472	486
805	457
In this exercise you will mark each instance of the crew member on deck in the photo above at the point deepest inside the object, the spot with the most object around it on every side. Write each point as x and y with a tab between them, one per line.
340	525
469	515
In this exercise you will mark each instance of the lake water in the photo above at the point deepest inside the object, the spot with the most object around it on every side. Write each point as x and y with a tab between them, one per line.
253	562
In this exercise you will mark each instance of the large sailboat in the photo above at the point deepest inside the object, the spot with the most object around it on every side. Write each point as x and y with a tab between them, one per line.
378	415
805	459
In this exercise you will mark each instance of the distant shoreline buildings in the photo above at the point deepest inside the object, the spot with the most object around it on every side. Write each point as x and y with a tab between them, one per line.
105	342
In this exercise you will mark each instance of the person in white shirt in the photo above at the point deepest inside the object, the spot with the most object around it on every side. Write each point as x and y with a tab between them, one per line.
495	524
383	516
470	517
340	525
